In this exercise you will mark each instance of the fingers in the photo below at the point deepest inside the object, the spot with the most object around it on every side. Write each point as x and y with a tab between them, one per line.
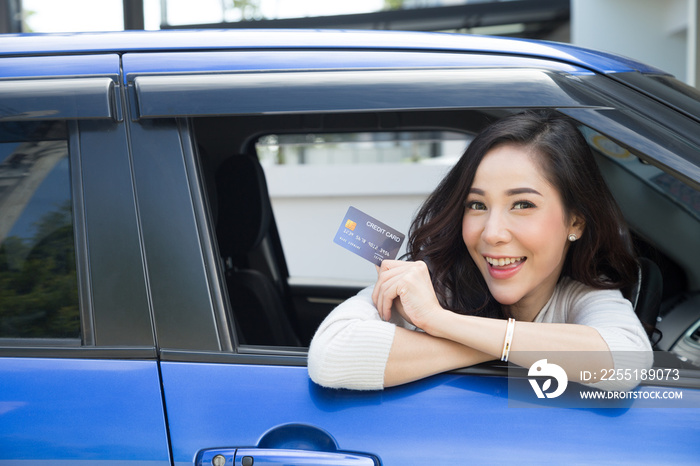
383	275
396	280
387	291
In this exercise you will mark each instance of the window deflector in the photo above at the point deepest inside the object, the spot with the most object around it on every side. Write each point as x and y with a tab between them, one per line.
58	99
354	91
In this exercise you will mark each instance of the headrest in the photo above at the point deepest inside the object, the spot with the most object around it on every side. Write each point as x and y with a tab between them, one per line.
244	205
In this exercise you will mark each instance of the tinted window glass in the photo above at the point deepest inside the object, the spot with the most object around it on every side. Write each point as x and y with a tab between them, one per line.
38	284
665	184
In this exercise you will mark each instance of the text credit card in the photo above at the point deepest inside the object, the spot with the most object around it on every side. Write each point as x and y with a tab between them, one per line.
368	237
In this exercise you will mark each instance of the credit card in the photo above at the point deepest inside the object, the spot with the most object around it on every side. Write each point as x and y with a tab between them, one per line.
368	237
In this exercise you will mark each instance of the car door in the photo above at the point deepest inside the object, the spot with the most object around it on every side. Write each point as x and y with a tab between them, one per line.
231	403
79	379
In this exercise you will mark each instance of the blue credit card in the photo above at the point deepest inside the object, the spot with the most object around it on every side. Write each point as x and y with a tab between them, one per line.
368	237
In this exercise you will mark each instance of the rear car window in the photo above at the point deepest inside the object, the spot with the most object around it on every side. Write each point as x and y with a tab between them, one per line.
38	280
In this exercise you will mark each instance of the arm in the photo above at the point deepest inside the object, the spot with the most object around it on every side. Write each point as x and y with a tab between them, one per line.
415	355
353	348
589	327
560	343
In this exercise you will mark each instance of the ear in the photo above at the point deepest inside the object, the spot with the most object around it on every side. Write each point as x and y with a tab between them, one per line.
577	225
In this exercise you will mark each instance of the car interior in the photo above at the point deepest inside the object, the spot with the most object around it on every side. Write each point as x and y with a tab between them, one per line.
268	310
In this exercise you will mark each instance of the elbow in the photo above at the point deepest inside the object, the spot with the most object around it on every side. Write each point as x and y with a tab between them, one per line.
332	372
350	353
336	366
320	369
315	367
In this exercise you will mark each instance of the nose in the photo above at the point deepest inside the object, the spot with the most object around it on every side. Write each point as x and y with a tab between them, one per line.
496	229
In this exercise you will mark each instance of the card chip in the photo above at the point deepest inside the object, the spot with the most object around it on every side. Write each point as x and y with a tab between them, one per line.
350	225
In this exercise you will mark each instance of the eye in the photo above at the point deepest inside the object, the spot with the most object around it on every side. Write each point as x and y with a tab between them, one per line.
520	205
475	205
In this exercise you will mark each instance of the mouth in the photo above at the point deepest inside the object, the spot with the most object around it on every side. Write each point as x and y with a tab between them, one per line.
504	261
502	268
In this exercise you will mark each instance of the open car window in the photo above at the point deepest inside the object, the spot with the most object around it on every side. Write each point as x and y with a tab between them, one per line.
313	179
313	176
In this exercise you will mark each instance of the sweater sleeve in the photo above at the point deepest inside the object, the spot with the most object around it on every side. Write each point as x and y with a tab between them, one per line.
351	346
612	316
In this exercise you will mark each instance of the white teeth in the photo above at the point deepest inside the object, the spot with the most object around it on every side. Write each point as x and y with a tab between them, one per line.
503	261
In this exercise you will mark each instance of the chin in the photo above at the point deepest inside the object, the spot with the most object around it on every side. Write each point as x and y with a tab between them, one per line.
507	302
506	299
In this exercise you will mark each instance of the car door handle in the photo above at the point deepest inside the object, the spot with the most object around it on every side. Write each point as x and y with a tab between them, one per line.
274	457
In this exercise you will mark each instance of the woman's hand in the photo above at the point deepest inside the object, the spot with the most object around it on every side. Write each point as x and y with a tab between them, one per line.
409	284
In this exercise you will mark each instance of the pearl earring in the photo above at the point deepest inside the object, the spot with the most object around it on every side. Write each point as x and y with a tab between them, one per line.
572	237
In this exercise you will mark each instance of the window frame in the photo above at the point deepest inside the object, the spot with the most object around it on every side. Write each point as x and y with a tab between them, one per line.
83	91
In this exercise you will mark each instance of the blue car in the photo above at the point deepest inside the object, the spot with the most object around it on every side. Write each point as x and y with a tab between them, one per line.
168	202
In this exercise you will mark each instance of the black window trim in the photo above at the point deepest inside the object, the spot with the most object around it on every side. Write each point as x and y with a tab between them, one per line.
77	352
226	334
87	322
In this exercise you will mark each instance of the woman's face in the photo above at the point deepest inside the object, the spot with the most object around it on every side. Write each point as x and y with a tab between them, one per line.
516	229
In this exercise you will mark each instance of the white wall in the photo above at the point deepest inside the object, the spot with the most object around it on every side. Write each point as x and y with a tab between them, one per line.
655	32
310	202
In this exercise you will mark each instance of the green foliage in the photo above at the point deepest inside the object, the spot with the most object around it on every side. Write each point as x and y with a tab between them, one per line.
38	281
393	4
250	9
26	14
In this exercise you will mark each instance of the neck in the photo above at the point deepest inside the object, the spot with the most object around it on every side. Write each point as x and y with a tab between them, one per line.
527	309
523	313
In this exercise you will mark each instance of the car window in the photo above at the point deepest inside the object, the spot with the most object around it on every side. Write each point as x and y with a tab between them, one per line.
313	179
38	284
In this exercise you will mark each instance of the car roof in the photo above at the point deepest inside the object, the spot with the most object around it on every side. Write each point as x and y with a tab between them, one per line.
278	39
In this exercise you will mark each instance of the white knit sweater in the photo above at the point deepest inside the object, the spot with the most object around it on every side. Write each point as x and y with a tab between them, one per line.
351	346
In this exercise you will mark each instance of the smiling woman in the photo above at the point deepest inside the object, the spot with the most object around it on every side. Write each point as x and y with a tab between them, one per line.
516	229
520	248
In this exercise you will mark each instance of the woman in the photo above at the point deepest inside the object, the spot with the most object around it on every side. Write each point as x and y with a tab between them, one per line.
520	252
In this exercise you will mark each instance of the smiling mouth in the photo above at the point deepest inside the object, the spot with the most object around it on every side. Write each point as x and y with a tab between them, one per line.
504	261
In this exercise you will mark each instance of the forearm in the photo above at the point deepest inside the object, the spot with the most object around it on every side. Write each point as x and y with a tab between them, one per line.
415	355
562	344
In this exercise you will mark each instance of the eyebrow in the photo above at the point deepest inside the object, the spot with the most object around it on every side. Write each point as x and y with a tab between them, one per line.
510	192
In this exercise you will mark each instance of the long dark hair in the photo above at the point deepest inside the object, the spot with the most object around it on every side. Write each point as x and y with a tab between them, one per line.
602	258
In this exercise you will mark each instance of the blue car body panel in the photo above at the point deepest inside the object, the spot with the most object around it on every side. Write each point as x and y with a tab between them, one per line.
459	419
54	66
246	61
82	411
284	40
